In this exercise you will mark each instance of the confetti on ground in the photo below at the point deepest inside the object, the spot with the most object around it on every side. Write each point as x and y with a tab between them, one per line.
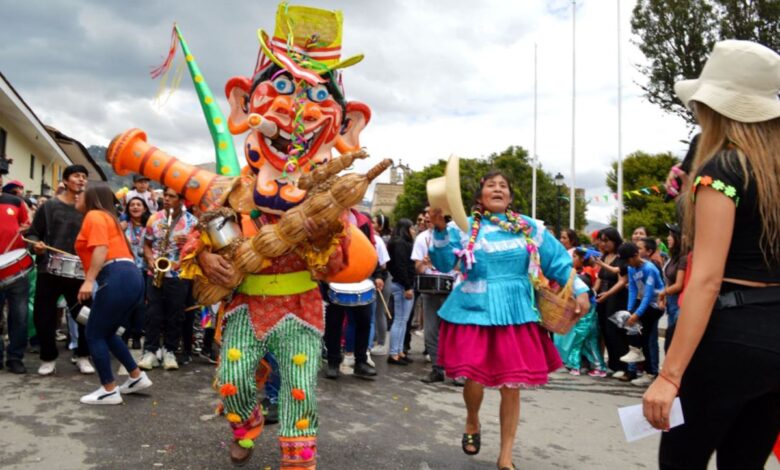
395	397
158	465
145	445
406	409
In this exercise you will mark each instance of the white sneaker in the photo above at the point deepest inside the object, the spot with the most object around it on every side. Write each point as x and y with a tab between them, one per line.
85	367
169	361
345	369
379	350
349	360
619	374
135	385
148	361
122	370
428	358
369	361
102	397
634	354
47	368
643	381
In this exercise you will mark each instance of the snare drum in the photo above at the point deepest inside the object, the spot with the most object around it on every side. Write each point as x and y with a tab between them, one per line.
440	284
14	265
353	294
65	266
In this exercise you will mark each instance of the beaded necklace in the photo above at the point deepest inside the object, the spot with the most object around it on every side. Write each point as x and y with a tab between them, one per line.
514	223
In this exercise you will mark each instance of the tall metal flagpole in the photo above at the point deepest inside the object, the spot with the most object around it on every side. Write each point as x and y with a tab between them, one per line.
620	127
534	159
572	200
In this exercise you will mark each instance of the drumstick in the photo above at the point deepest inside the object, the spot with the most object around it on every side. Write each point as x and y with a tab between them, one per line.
13	240
387	309
50	248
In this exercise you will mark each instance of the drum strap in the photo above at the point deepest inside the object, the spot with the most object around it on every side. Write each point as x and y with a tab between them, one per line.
277	284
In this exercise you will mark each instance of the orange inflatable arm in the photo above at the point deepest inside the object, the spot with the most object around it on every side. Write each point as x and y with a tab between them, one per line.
130	153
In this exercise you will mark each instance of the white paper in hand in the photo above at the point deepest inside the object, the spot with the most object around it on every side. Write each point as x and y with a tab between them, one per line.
635	426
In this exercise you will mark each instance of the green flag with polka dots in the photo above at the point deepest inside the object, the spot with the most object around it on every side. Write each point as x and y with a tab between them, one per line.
227	161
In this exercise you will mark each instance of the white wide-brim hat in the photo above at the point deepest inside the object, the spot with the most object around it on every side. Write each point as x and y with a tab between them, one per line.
741	80
444	193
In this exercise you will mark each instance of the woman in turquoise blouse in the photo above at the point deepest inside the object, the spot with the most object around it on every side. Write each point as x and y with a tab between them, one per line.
490	333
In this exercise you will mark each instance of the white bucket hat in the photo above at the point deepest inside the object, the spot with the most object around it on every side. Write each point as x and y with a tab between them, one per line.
741	80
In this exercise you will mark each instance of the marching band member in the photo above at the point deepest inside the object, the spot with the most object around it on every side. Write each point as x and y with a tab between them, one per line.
166	233
14	285
56	225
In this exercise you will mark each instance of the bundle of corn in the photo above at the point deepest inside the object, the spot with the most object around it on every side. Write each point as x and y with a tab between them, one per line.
324	208
315	180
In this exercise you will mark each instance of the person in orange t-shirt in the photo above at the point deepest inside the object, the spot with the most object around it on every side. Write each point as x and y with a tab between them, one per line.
115	286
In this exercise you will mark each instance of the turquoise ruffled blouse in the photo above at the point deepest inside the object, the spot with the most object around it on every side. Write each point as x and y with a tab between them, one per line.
497	290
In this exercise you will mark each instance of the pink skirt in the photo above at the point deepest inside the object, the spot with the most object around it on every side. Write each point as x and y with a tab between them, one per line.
498	356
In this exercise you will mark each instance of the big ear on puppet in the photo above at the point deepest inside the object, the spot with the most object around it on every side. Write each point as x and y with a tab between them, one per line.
357	117
237	92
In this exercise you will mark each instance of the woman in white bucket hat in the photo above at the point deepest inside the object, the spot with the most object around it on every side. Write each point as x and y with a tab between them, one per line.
724	361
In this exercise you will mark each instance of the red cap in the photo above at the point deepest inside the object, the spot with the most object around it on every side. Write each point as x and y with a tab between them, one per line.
13	183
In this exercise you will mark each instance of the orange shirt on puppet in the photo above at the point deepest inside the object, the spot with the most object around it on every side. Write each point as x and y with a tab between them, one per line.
99	229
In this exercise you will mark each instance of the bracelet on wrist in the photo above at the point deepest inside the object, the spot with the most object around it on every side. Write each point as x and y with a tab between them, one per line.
676	385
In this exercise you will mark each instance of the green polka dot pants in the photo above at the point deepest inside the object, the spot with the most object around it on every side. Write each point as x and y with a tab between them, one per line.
297	349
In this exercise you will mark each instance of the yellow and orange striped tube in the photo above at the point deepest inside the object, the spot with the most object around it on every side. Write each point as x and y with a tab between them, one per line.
130	153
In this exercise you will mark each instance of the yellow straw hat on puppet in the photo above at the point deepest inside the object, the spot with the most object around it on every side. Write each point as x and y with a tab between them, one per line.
444	194
306	42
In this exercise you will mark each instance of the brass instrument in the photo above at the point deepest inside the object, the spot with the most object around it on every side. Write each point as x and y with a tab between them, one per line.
162	264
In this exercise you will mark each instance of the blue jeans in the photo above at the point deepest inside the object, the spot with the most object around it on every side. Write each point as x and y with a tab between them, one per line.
402	310
17	296
672	308
274	382
119	290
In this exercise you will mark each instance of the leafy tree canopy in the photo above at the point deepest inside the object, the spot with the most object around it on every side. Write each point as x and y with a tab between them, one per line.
676	36
643	170
514	162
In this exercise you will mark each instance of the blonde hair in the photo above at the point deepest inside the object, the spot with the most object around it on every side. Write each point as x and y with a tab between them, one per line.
754	144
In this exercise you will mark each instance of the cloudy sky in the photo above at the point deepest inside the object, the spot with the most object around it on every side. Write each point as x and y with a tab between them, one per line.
441	76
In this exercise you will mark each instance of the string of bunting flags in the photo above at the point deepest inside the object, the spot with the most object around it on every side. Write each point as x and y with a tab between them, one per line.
656	189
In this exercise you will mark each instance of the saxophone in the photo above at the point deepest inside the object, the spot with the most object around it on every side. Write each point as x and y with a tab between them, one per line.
162	264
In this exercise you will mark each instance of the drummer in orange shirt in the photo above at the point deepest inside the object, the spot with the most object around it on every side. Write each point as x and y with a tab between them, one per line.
115	285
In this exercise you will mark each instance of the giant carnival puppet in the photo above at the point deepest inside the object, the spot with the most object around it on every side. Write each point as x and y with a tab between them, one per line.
270	231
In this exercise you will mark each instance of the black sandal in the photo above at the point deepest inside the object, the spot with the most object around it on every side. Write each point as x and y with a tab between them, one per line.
473	440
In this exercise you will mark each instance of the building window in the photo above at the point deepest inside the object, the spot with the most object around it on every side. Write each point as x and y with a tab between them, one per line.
32	166
3	137
43	172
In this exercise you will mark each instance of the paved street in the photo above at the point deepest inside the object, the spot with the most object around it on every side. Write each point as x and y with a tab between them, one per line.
395	422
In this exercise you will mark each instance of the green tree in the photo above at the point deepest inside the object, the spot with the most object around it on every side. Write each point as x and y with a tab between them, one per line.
514	162
643	170
676	36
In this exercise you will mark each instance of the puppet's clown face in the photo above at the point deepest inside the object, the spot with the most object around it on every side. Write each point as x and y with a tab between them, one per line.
308	122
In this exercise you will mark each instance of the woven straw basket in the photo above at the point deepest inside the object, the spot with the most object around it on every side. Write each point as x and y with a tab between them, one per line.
557	309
